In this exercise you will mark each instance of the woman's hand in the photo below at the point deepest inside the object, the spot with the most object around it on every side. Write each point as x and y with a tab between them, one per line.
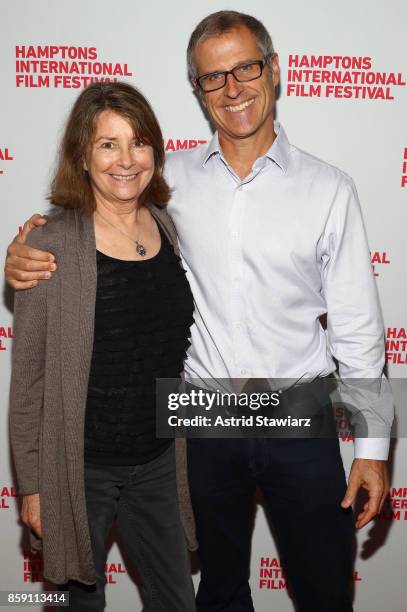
30	513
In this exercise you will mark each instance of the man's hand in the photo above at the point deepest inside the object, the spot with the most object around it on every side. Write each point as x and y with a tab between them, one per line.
372	475
30	513
25	266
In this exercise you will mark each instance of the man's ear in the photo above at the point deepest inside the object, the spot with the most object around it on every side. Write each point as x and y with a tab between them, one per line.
275	66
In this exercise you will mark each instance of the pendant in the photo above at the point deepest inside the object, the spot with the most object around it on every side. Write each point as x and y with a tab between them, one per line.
141	250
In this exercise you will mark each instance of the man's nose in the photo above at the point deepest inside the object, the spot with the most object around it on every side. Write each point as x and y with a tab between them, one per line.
232	87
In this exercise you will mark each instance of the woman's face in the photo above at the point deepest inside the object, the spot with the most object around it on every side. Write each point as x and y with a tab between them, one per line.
120	166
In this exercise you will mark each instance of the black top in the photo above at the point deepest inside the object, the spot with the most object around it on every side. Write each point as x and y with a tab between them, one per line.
142	319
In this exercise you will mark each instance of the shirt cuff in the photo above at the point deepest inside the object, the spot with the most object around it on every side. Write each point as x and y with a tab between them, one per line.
372	448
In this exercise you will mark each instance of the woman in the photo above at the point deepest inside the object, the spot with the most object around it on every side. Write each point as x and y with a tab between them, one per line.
88	348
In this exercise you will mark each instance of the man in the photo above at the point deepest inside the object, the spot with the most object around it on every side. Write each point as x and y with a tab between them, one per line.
272	239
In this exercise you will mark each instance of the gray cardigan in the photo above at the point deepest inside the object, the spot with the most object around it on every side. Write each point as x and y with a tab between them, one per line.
53	342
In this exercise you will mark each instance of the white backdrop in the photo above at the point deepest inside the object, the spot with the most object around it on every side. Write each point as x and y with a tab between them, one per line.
359	126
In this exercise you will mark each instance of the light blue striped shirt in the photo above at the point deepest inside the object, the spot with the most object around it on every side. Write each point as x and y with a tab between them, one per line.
266	256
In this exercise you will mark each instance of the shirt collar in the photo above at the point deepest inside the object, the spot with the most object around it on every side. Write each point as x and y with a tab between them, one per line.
213	148
279	151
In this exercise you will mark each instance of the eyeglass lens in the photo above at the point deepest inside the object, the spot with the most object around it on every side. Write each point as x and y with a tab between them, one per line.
217	80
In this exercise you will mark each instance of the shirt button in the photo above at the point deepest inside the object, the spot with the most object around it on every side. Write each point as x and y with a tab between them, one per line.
240	188
243	371
238	325
234	234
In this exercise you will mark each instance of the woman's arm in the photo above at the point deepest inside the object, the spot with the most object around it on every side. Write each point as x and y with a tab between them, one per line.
27	380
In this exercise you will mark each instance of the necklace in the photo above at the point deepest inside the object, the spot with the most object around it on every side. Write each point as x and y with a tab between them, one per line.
141	250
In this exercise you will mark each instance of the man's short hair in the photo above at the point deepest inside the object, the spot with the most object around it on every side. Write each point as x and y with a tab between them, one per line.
221	22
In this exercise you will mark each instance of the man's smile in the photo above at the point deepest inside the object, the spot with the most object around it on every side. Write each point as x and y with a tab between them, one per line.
236	108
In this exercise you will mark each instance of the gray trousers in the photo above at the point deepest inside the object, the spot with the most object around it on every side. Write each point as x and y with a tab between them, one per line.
142	501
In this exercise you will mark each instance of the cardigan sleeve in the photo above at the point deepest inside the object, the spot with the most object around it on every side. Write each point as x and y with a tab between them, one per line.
27	379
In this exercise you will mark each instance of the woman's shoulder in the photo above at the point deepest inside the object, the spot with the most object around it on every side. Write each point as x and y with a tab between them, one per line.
161	215
52	234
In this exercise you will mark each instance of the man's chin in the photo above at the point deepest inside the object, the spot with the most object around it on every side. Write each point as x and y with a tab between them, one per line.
239	134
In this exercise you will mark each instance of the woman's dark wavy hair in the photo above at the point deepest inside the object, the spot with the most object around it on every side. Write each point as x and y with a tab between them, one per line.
71	186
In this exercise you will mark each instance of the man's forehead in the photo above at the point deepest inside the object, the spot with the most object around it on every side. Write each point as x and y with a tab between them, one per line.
223	51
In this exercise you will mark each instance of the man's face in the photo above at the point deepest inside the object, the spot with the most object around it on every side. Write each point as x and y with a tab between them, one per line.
238	110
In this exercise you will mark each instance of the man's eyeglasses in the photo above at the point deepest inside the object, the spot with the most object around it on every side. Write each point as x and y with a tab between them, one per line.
242	74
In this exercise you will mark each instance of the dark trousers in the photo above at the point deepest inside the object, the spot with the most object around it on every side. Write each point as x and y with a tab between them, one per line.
143	502
302	482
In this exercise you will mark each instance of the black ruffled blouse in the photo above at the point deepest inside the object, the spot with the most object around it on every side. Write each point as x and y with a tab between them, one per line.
142	319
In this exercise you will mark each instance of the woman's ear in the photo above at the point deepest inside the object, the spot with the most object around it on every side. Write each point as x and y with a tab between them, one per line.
84	164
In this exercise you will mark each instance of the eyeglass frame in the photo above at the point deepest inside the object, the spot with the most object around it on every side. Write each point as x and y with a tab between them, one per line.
262	63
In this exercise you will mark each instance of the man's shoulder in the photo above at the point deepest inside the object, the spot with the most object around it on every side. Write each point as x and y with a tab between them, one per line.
315	168
185	159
